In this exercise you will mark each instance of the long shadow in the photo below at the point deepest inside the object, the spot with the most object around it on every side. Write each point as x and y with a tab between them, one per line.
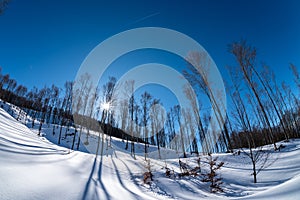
14	128
26	152
29	146
88	184
132	176
90	179
100	178
130	173
9	127
38	151
25	161
162	191
186	187
121	182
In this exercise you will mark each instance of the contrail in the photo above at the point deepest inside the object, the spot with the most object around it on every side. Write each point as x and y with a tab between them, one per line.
143	18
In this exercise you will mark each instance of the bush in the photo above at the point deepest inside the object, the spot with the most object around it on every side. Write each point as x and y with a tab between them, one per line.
212	176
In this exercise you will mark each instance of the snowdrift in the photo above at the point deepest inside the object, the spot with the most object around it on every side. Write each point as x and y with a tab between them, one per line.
32	167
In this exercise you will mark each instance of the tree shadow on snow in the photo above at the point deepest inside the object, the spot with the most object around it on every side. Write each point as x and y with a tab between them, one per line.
88	192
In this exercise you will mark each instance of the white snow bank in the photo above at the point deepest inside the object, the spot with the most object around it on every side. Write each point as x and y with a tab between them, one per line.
33	168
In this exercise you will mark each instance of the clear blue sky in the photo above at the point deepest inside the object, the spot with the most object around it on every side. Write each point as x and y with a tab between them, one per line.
45	42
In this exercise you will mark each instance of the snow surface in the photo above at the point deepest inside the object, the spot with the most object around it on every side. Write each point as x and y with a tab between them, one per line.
33	167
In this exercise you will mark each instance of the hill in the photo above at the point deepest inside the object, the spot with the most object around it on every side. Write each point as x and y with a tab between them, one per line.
33	167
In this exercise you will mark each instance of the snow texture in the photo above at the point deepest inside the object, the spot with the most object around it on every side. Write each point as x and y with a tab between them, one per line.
33	167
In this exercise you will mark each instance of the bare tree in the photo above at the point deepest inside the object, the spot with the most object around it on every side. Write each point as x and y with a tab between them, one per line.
137	119
108	90
21	91
131	109
90	118
3	5
66	105
293	109
105	108
196	112
296	75
212	176
198	74
54	95
245	56
44	100
170	124
257	154
83	89
178	113
123	111
190	130
146	103
55	103
157	116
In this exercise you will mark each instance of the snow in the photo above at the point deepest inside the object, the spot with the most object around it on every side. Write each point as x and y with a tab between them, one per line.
34	167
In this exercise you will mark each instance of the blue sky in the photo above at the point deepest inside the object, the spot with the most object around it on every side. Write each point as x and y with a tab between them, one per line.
45	42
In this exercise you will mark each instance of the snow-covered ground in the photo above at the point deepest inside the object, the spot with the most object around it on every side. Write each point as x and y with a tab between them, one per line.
33	167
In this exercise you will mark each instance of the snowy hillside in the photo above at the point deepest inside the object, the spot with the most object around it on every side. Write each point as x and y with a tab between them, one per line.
32	167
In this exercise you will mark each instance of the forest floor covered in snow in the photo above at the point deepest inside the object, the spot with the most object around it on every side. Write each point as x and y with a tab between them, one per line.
34	167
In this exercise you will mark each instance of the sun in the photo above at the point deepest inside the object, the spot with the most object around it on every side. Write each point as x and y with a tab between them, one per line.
106	106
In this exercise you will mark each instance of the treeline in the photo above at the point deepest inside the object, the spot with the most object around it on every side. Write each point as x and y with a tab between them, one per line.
47	105
261	111
139	116
51	105
265	112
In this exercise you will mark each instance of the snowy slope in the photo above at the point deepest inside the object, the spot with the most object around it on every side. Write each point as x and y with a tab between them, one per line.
32	167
